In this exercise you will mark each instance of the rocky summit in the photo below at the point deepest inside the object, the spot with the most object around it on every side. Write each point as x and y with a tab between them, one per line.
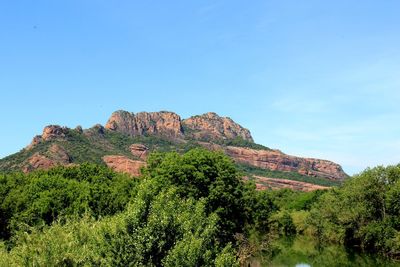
158	123
210	126
126	140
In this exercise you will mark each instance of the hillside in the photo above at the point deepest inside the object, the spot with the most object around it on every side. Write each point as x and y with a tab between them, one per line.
127	138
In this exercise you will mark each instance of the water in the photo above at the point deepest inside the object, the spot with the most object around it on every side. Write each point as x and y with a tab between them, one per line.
304	252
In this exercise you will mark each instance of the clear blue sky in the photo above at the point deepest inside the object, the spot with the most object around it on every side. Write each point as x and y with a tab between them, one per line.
312	78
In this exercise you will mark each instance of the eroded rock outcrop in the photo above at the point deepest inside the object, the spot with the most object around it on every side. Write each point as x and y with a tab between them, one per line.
157	123
59	154
210	126
276	160
54	131
38	161
55	155
139	150
50	132
124	164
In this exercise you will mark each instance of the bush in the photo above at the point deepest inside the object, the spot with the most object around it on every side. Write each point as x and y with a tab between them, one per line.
41	197
156	229
184	211
204	174
364	212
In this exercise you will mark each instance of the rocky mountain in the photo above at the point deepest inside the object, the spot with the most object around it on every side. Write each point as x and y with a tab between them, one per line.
210	126
127	138
162	123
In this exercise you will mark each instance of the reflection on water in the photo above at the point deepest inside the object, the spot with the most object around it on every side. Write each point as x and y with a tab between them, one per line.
305	252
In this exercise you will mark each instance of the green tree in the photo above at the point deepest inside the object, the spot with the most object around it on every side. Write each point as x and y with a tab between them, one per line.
200	173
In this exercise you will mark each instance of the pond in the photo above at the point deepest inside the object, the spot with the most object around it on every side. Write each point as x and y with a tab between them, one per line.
305	252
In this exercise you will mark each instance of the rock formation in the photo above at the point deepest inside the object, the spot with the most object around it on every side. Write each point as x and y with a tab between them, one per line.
59	154
210	126
276	160
53	131
162	123
38	161
140	151
50	132
124	164
56	155
207	130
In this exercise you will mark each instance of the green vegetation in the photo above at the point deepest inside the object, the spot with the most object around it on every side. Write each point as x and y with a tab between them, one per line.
42	197
240	142
251	170
361	216
92	145
364	212
191	209
184	211
304	249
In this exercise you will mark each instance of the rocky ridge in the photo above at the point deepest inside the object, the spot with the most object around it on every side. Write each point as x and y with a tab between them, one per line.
276	160
160	123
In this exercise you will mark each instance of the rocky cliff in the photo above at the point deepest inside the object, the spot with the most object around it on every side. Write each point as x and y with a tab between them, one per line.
124	164
151	123
278	161
210	126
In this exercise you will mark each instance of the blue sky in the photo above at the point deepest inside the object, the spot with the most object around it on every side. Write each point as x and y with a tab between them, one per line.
312	78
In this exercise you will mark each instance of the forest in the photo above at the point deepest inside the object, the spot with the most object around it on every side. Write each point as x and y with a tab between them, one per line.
191	209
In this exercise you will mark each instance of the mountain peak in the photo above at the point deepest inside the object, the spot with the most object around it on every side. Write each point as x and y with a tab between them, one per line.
208	126
212	126
163	123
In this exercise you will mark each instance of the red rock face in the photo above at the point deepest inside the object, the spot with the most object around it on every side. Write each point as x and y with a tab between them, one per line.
124	164
56	155
140	151
38	161
276	160
50	132
160	123
53	131
59	154
212	126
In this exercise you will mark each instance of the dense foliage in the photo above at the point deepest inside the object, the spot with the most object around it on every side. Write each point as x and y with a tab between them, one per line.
365	212
189	209
41	197
184	211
